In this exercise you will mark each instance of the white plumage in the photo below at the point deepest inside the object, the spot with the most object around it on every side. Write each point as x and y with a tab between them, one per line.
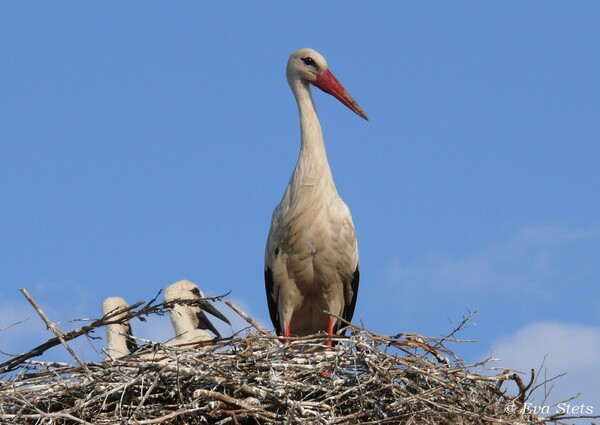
311	258
189	321
119	338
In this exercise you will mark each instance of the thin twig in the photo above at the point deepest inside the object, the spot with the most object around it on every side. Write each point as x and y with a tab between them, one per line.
247	318
53	327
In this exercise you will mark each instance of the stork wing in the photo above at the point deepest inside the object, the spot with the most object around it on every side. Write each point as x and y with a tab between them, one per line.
271	287
351	280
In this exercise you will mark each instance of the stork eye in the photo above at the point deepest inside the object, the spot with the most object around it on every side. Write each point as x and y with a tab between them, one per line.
310	62
196	292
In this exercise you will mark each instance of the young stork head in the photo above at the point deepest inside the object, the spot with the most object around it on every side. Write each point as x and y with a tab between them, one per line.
119	338
310	67
189	321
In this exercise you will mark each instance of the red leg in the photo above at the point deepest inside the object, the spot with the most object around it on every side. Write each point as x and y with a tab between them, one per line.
287	332
330	325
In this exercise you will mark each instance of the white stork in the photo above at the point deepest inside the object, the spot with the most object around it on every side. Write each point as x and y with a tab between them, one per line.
189	321
119	338
311	259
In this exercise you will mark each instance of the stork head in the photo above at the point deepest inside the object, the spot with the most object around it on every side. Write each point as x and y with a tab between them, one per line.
184	315
310	67
112	304
183	290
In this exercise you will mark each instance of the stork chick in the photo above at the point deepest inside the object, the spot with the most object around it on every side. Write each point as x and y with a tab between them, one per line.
119	338
189	321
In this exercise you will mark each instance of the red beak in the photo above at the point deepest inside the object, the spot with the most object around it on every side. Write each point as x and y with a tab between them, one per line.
329	84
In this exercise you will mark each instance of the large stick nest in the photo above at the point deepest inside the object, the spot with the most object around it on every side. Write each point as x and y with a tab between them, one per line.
258	378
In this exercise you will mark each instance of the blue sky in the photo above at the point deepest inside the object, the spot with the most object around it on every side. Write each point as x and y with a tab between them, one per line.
146	144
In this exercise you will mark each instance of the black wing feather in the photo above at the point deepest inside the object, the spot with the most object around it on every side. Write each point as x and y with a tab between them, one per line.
129	340
349	307
269	286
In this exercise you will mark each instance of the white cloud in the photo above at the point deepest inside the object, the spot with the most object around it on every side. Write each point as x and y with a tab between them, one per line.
567	347
525	263
16	337
548	234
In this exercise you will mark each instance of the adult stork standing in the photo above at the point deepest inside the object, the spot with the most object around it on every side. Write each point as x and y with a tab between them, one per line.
311	258
189	321
119	338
